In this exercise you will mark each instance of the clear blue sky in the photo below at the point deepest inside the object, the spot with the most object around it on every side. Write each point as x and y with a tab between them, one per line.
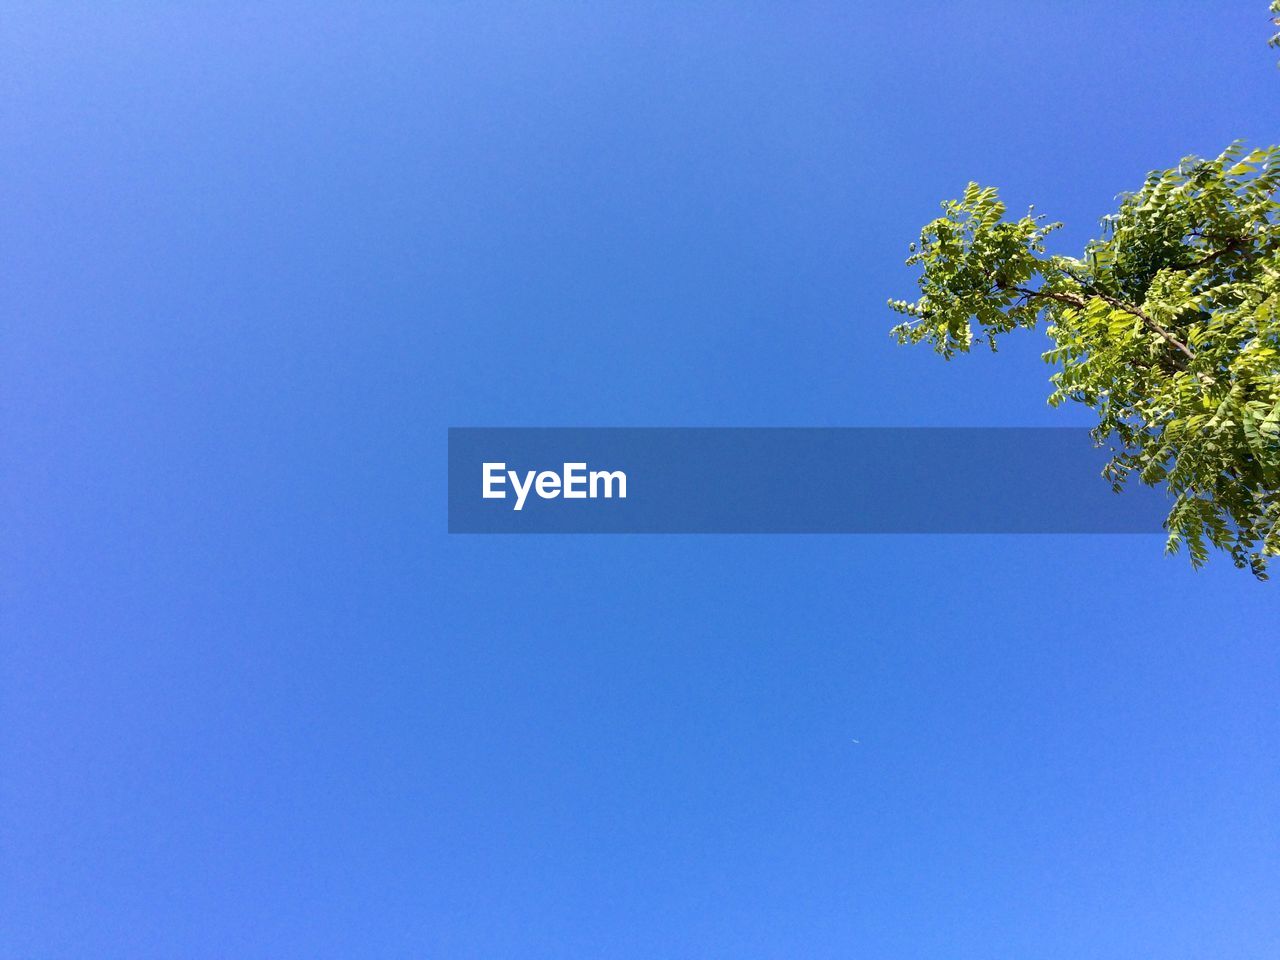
255	702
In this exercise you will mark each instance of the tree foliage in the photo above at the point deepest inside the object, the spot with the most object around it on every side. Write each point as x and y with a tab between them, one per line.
1168	326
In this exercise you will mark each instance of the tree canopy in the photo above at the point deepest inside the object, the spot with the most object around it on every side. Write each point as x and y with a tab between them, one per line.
1168	326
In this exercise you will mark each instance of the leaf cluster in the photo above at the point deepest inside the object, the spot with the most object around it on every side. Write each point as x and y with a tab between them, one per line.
1167	326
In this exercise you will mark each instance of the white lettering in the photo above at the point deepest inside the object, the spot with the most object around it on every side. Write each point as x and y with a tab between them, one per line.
493	474
575	473
548	484
609	476
521	491
573	483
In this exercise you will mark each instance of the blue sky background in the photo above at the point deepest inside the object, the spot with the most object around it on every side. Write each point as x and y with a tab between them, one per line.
254	702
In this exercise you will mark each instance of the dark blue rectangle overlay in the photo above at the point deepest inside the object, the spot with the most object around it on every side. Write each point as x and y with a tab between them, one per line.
789	480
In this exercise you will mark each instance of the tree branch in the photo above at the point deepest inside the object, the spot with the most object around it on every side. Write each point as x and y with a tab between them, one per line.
1079	303
1232	244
